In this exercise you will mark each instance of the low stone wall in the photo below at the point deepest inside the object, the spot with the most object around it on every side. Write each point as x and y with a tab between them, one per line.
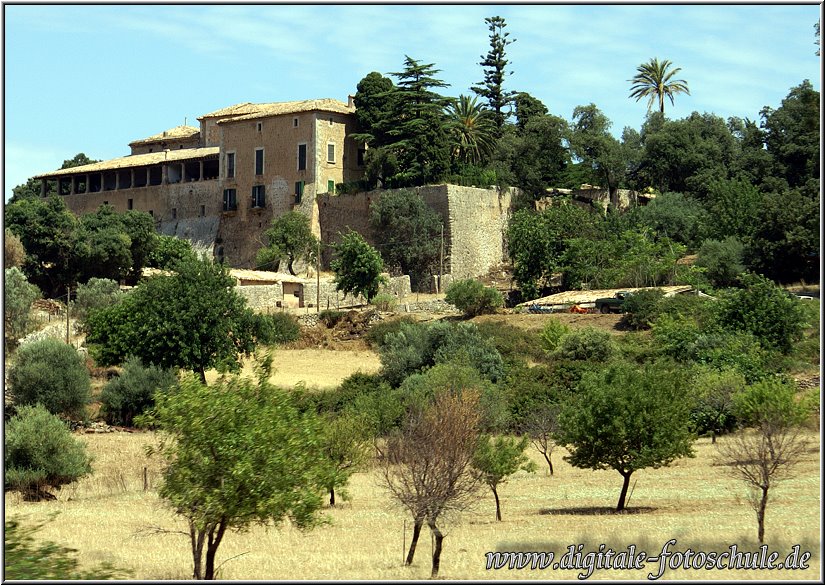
270	297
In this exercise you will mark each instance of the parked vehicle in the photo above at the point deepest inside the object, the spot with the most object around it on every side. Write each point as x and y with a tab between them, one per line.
612	304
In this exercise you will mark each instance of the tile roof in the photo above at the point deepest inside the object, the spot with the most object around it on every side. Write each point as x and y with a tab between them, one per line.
135	160
589	296
252	111
176	133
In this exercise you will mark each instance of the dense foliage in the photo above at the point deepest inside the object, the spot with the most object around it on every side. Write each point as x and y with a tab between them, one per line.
41	453
238	453
132	392
358	266
52	374
473	298
192	319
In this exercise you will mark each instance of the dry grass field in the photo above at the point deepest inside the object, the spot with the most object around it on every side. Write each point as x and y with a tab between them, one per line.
109	517
316	368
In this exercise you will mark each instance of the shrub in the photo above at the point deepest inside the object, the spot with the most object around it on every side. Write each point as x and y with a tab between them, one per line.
641	308
331	317
722	261
513	343
378	331
132	393
276	328
27	559
18	295
41	454
97	293
168	251
588	343
765	310
713	410
384	302
53	374
14	254
420	389
552	334
417	346
343	397
473	298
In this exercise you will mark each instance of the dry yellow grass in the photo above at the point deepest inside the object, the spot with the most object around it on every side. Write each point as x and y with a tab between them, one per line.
106	516
317	368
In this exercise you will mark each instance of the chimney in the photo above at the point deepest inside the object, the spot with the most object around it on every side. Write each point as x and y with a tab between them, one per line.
350	101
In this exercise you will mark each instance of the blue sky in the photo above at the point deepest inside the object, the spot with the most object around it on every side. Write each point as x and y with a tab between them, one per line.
92	78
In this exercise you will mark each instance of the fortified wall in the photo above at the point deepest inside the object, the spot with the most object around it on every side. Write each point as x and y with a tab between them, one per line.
475	222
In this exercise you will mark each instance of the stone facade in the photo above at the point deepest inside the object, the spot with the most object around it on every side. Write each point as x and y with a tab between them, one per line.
475	223
222	184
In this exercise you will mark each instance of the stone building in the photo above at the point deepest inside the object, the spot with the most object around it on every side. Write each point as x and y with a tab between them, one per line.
221	184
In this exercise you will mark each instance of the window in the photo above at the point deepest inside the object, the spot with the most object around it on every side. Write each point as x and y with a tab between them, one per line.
230	200
258	196
330	186
174	213
260	126
230	165
130	204
302	157
299	191
294	122
330	153
203	210
330	121
259	161
152	212
105	203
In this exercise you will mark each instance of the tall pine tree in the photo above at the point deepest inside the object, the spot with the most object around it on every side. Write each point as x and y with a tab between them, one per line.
494	65
419	139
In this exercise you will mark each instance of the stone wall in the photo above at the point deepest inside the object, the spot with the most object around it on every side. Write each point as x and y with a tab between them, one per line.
475	222
270	297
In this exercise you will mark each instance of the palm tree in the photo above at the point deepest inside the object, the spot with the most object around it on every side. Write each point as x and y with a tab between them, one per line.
472	128
654	81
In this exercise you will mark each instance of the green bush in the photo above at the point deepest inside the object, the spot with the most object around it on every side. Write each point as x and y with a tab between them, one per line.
513	343
764	309
132	392
276	328
713	393
331	317
339	399
722	261
168	251
41	453
53	374
384	302
641	308
30	559
473	298
552	334
420	389
18	296
377	332
417	346
97	293
588	343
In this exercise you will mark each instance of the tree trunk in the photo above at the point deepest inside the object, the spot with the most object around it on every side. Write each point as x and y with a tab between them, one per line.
760	515
212	548
332	497
202	374
419	522
289	266
623	495
439	538
196	537
614	197
549	462
498	504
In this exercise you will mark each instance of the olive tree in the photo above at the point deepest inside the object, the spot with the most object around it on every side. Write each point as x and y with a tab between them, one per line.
237	453
497	458
627	418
